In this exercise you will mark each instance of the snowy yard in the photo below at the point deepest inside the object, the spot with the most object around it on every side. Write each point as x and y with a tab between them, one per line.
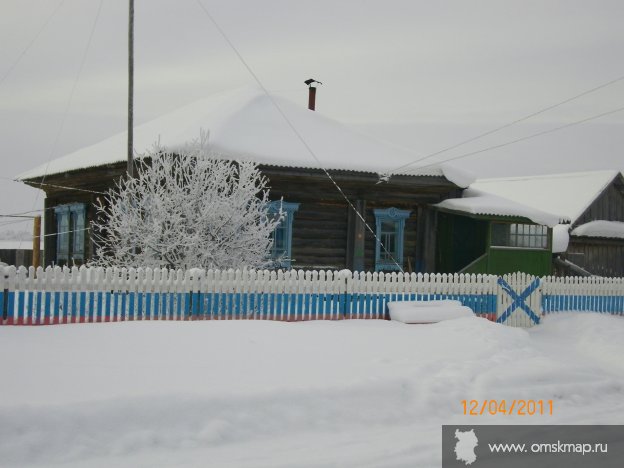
309	394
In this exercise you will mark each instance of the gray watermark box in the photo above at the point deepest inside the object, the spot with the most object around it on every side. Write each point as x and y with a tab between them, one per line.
536	446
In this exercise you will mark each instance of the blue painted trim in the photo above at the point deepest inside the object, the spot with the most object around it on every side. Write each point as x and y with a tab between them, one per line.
289	209
398	217
73	250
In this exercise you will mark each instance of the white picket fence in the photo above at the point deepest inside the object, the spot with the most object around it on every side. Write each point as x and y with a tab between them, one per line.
63	295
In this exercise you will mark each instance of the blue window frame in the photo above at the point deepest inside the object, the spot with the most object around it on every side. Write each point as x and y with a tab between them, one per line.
70	229
281	249
390	224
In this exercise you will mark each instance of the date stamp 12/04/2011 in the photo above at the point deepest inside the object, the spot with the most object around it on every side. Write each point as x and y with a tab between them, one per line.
507	407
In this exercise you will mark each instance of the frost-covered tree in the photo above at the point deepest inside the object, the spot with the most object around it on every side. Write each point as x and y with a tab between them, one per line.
186	207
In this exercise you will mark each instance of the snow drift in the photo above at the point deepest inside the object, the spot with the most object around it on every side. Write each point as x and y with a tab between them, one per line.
271	394
427	311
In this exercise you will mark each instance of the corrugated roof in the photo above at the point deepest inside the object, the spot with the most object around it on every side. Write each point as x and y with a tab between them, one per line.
245	124
477	202
600	228
566	195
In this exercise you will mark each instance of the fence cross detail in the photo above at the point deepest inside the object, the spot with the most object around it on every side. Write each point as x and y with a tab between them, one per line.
518	300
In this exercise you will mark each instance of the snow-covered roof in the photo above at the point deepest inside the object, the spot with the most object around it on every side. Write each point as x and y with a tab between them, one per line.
245	124
567	195
612	229
478	202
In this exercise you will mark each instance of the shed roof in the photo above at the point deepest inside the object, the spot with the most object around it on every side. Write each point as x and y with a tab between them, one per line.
600	228
566	195
245	124
477	202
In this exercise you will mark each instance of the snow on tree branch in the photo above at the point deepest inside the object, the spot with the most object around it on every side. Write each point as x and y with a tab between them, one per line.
186	207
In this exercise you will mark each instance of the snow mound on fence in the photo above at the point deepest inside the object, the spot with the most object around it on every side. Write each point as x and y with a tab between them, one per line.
427	311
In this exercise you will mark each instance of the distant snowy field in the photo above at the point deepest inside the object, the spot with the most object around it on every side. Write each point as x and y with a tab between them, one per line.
266	394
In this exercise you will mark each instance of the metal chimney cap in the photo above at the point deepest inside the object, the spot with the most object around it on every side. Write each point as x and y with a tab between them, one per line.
309	81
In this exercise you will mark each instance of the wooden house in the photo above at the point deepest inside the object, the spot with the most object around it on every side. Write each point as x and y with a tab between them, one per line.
320	230
593	202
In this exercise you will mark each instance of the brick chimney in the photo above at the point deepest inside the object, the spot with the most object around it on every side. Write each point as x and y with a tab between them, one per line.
311	92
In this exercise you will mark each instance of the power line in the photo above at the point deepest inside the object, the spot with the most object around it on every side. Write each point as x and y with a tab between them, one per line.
71	96
507	125
29	45
52	234
544	132
296	132
55	186
65	232
9	223
13	215
68	188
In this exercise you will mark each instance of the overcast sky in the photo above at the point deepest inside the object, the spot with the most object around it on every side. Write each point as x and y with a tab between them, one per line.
424	74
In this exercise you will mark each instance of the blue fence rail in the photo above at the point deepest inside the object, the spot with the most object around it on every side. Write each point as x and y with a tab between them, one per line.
557	302
44	307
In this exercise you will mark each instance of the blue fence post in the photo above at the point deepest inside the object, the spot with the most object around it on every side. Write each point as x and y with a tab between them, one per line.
47	307
4	295
342	304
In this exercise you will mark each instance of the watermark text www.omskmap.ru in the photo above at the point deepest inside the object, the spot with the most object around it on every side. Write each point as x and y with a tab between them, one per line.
537	446
556	447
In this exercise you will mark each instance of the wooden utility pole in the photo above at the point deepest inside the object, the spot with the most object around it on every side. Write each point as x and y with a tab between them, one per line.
36	251
130	88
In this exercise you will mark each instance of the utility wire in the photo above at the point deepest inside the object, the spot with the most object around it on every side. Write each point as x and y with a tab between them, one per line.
55	186
14	215
65	232
29	45
53	234
68	188
514	122
544	132
70	98
295	131
9	223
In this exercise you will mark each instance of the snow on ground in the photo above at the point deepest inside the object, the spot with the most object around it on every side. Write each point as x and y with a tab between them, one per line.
266	394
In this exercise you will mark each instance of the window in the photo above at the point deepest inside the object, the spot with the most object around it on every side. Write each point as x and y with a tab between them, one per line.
282	236
390	226
527	236
70	237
